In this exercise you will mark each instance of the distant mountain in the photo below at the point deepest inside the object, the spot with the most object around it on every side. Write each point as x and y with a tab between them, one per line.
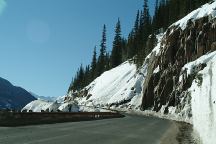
45	98
13	97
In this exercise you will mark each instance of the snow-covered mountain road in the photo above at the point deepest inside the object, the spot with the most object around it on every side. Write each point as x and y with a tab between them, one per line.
131	129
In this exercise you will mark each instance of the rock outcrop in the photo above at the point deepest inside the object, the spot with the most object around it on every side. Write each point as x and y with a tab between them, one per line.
170	84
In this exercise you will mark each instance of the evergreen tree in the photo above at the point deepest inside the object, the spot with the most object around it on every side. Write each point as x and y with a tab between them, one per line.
77	82
116	55
101	58
107	60
146	21
133	38
136	25
155	17
131	45
141	26
94	64
80	77
145	31
124	49
87	77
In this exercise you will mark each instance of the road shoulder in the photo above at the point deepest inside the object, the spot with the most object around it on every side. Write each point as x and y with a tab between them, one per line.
179	133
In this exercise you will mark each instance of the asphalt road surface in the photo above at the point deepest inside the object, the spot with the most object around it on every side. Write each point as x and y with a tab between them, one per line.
128	130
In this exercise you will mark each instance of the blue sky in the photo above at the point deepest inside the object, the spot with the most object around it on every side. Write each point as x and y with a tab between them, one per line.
43	42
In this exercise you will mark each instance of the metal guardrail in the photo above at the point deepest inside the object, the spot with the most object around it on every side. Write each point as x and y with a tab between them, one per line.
12	119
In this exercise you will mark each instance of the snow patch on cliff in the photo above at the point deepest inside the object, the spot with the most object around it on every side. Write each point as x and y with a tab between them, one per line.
208	9
203	59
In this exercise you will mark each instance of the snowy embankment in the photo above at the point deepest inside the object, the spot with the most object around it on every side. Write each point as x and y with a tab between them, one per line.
203	89
41	105
203	93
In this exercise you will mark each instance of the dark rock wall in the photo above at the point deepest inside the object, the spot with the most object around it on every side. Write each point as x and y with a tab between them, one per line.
178	47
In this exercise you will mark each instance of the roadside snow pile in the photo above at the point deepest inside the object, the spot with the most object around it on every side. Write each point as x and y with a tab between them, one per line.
41	105
69	107
208	9
203	93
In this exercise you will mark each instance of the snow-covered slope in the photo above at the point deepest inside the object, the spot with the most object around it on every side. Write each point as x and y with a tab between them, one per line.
120	87
115	86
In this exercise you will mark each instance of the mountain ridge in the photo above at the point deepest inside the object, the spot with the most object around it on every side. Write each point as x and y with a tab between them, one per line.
13	97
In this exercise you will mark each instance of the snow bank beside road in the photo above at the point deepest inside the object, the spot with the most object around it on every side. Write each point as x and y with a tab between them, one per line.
41	105
203	92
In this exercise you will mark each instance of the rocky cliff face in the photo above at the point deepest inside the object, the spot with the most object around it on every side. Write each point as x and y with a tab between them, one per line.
170	84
